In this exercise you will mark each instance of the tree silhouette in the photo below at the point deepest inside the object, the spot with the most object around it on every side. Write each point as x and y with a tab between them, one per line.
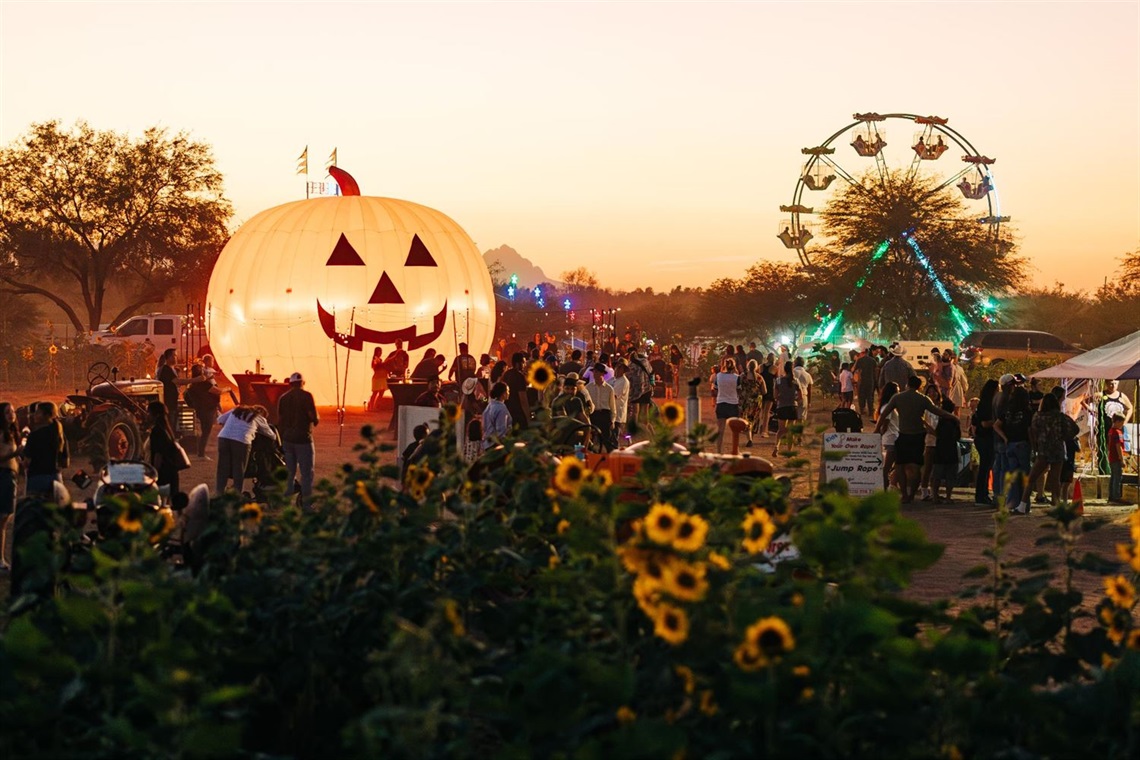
970	260
86	209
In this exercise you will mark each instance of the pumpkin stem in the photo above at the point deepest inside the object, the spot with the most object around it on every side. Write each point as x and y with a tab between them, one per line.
347	184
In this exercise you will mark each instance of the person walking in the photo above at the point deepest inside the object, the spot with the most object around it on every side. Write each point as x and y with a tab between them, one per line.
45	451
866	369
788	395
496	417
164	454
202	396
605	402
909	449
982	424
517	401
726	390
296	418
890	435
767	394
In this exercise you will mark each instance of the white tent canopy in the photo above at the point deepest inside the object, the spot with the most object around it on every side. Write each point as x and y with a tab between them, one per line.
1119	360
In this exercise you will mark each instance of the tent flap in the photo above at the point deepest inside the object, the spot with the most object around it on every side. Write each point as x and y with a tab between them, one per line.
1119	360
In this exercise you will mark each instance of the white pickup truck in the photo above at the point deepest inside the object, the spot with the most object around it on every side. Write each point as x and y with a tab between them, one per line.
162	330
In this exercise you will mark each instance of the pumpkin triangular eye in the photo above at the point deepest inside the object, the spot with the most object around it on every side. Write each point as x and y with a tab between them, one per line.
419	255
344	255
385	291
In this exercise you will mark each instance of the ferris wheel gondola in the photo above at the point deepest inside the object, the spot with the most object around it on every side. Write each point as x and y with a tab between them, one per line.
867	137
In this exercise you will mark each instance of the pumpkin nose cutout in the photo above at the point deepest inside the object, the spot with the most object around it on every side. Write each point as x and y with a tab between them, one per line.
385	291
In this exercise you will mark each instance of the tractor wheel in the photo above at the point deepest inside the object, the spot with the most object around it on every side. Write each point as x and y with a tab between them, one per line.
112	434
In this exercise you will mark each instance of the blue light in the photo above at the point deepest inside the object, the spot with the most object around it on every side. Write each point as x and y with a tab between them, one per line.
566	304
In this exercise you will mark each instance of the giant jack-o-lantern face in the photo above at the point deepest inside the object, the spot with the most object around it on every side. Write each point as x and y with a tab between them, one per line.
314	286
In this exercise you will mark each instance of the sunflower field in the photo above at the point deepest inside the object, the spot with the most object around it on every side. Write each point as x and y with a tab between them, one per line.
528	607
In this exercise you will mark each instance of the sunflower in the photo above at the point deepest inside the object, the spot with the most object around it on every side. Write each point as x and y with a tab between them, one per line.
554	561
673	413
540	375
1128	554
671	623
164	526
691	532
657	567
1115	632
632	558
569	476
600	479
686	581
748	658
127	523
563	526
251	512
625	715
1120	591
661	523
1134	638
451	412
685	673
771	636
364	496
708	703
647	592
758	530
418	479
719	561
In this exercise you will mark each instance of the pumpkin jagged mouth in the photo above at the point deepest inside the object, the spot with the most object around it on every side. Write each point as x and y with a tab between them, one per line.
360	335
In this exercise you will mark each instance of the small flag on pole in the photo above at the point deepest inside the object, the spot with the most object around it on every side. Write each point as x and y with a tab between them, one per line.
332	159
303	161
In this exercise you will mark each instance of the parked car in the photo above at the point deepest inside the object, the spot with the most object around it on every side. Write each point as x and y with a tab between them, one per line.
984	347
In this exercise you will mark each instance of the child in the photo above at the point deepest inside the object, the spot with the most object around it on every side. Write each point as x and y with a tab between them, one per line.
846	386
946	434
1116	460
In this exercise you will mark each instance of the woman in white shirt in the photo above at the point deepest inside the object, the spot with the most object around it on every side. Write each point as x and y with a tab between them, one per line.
239	426
725	388
890	435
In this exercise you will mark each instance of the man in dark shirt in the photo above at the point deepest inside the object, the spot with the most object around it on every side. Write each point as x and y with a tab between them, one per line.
463	367
427	368
573	365
296	418
430	397
167	374
910	446
866	369
517	402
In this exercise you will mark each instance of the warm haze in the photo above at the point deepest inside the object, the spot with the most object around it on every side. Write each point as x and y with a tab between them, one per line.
651	143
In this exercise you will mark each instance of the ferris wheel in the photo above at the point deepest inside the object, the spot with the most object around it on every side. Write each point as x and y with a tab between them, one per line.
925	153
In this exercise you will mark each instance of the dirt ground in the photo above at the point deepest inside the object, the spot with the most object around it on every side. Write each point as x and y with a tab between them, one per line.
959	525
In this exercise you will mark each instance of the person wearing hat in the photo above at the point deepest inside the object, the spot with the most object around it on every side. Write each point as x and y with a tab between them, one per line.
1006	383
895	369
604	401
296	418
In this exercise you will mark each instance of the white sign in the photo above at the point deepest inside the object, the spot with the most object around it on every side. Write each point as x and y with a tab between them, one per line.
861	464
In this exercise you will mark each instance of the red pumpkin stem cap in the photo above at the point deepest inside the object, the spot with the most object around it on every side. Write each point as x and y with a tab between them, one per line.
347	184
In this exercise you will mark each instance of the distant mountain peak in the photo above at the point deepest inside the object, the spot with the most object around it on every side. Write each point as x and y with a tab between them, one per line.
514	262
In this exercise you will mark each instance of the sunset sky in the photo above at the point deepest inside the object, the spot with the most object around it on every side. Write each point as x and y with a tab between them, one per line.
650	143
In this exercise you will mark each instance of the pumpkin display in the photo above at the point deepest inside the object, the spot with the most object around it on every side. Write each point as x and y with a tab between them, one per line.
315	285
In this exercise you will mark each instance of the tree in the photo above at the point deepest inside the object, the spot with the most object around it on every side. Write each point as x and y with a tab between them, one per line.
89	209
1130	269
896	289
771	297
580	280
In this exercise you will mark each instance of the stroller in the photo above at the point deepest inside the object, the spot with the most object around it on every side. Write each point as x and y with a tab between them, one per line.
266	457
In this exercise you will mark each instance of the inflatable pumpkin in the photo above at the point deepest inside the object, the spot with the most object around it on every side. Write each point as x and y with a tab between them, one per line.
314	285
